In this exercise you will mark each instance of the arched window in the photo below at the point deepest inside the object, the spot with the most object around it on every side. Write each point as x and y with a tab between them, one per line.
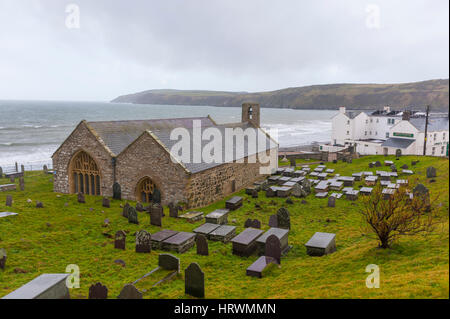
145	190
85	175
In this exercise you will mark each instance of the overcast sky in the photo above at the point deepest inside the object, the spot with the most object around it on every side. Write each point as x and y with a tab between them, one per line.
121	47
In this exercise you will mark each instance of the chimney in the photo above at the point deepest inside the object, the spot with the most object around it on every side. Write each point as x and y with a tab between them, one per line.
342	109
406	115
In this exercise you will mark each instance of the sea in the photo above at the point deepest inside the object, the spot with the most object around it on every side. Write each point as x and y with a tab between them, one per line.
30	131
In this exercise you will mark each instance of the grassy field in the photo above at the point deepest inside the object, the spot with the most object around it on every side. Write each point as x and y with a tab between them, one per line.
47	240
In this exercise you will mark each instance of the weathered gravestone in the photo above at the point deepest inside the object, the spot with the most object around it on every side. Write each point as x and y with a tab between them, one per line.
106	202
156	196
194	283
8	200
2	258
377	164
398	152
45	169
22	183
331	201
143	242
284	220
270	192
254	193
139	207
98	291
306	185
393	168
256	224
273	248
298	191
117	191
173	210
129	292
125	210
431	172
248	223
202	245
404	166
156	212
120	239
169	262
273	221
39	204
81	198
132	216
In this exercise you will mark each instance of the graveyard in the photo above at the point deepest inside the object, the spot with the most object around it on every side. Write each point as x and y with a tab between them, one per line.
66	231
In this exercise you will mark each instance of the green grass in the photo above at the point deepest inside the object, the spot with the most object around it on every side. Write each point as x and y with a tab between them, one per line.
415	267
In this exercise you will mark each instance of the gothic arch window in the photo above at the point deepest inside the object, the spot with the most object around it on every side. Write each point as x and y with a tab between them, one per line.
85	174
145	190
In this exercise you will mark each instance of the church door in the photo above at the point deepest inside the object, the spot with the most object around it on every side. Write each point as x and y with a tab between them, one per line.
145	190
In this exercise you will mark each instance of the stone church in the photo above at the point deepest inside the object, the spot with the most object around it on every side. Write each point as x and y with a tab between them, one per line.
136	154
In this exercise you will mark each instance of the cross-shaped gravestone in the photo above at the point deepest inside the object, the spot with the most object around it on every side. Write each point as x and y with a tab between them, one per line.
8	200
194	283
143	242
98	291
284	220
156	215
120	238
129	292
81	198
273	248
132	216
106	202
202	245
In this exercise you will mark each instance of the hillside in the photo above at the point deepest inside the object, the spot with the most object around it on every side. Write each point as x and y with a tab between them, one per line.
330	96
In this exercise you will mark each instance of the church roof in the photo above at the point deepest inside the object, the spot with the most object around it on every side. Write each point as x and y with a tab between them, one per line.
118	135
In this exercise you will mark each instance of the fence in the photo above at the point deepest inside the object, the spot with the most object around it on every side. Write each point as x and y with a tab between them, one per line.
28	166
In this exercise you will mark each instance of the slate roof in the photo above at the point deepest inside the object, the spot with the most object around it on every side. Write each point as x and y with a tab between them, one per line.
435	124
117	135
398	142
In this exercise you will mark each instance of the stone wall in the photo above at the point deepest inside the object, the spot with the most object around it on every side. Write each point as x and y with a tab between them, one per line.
147	158
82	139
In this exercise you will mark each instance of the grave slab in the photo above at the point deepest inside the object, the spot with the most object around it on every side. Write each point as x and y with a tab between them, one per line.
244	244
160	236
219	216
233	203
321	244
6	214
206	228
223	233
257	268
192	217
179	243
45	286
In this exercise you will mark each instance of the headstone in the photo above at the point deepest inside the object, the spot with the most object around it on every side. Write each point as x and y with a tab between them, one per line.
22	183
81	198
202	245
244	244
173	210
139	207
404	166
39	204
331	201
194	284
2	258
284	220
393	168
273	248
45	169
120	239
254	193
256	224
248	223
132	216
292	162
306	185
420	189
273	221
98	291
125	210
377	164
371	164
156	211
117	191
398	152
143	242
22	168
106	202
156	196
413	163
169	262
298	191
8	200
129	292
271	192
431	172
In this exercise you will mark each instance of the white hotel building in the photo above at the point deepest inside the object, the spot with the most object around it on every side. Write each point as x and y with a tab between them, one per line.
385	131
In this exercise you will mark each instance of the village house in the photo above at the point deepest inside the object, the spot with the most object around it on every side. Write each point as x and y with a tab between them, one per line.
384	132
137	155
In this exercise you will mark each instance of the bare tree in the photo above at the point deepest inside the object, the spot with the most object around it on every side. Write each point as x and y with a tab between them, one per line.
403	213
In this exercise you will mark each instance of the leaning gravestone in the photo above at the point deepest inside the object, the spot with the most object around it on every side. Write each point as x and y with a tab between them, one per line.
273	248
132	216
8	200
169	262
98	291
194	283
331	201
431	172
173	210
125	210
2	258
22	183
273	221
119	240
143	242
202	245
156	211
81	198
284	221
106	202
129	292
117	191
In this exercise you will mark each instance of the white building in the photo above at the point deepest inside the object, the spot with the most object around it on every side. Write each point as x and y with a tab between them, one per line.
385	131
